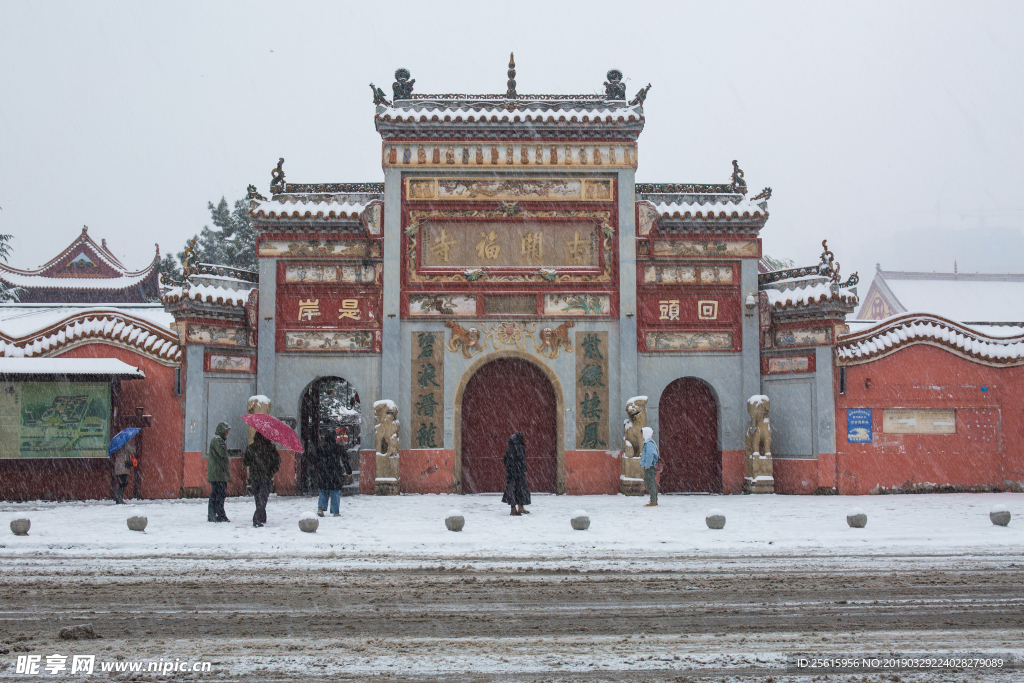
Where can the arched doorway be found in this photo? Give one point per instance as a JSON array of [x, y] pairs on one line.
[[328, 403], [504, 396], [688, 438]]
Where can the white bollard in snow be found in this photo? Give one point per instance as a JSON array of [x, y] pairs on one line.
[[715, 519], [309, 523], [454, 520], [999, 515], [580, 520], [137, 523], [20, 526], [856, 518]]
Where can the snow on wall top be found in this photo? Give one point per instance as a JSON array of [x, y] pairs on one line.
[[495, 110], [709, 206], [90, 283], [27, 332], [68, 366], [893, 334]]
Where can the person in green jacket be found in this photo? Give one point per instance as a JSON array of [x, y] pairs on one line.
[[218, 473]]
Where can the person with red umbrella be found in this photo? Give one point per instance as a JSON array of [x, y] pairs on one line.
[[263, 461]]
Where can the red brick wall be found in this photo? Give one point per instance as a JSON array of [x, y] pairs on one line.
[[160, 460], [591, 472], [986, 449]]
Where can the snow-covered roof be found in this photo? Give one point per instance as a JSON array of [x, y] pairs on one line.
[[104, 367], [892, 334], [31, 331], [337, 206], [969, 298], [222, 296], [17, 279], [496, 109], [808, 293], [709, 207]]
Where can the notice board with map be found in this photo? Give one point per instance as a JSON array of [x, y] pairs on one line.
[[54, 419]]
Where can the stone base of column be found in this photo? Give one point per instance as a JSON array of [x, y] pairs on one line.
[[631, 483], [758, 475], [386, 482]]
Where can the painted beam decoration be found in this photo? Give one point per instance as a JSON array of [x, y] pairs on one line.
[[431, 154], [592, 390], [427, 377], [311, 248]]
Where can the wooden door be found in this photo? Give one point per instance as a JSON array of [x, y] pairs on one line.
[[505, 396], [688, 438]]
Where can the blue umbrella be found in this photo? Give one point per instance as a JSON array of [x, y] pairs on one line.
[[123, 437]]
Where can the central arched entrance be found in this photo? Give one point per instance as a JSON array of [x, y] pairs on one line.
[[504, 396], [688, 438]]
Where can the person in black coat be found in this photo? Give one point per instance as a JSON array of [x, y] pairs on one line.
[[516, 492], [263, 461], [330, 471]]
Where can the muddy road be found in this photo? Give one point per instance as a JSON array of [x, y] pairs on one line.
[[718, 621]]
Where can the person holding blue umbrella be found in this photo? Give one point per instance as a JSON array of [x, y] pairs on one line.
[[122, 459]]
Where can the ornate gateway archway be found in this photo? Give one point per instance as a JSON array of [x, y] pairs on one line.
[[500, 394], [688, 438]]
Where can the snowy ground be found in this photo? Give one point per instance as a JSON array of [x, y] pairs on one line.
[[410, 529], [385, 592]]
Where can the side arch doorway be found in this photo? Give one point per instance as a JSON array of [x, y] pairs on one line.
[[328, 404], [505, 396], [688, 438]]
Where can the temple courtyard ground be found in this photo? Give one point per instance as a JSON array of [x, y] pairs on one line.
[[385, 592]]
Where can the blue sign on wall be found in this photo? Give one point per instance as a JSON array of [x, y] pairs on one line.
[[858, 425]]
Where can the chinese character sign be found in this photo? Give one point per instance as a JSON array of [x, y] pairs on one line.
[[592, 411], [427, 418], [858, 425]]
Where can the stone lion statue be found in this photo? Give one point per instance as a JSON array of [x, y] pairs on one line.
[[385, 414], [636, 420], [759, 434]]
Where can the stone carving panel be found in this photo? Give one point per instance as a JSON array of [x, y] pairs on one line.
[[592, 390]]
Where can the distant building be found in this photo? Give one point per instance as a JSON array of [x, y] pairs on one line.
[[85, 272], [969, 298]]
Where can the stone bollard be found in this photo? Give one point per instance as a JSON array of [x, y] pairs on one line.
[[137, 523], [999, 515], [580, 520], [856, 518], [715, 519], [455, 520], [309, 523], [20, 526]]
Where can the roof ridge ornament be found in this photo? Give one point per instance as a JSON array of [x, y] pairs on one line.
[[510, 94], [378, 96], [614, 88], [640, 96], [277, 177], [738, 183], [402, 87]]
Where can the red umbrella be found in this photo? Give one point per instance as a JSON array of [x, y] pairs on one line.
[[275, 430]]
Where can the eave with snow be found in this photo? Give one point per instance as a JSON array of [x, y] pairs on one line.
[[84, 272]]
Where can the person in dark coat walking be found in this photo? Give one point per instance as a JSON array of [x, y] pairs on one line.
[[516, 492], [218, 473], [330, 470], [263, 461], [122, 461]]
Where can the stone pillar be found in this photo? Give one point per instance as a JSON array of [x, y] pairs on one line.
[[392, 324], [385, 432], [631, 482], [266, 326], [757, 475]]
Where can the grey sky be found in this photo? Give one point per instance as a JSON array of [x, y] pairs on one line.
[[892, 129]]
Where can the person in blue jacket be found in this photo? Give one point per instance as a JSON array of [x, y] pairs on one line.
[[649, 461]]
